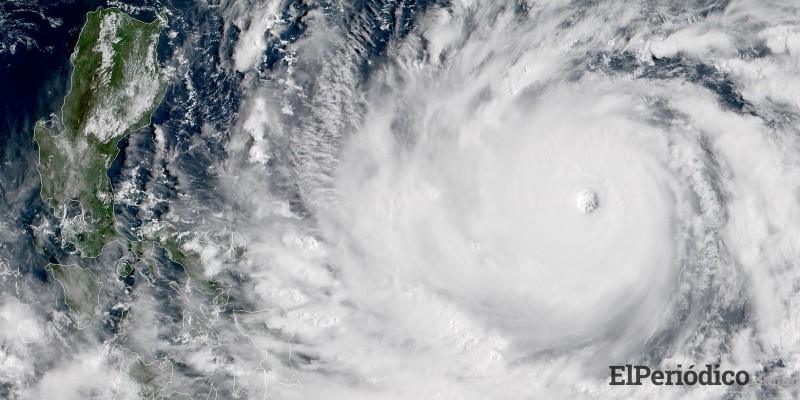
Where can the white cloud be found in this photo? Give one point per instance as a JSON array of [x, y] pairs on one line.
[[451, 253]]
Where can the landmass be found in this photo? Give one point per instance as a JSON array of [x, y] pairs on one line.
[[116, 85], [81, 291]]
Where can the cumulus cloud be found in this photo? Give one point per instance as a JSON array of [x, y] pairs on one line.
[[457, 252], [495, 200]]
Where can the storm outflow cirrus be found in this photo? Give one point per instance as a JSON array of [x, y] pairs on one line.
[[420, 200]]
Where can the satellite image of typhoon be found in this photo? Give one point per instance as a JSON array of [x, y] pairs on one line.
[[399, 199]]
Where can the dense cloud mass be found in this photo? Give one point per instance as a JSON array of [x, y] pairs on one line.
[[437, 200]]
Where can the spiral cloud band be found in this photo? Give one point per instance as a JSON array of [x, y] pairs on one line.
[[527, 193], [484, 214], [523, 199]]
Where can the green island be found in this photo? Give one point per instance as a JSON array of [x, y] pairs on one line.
[[116, 84], [81, 291], [167, 238]]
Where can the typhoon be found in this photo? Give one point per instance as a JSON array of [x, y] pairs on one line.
[[252, 199]]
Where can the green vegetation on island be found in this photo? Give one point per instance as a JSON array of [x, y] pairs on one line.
[[173, 244], [81, 291], [125, 269], [116, 84]]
